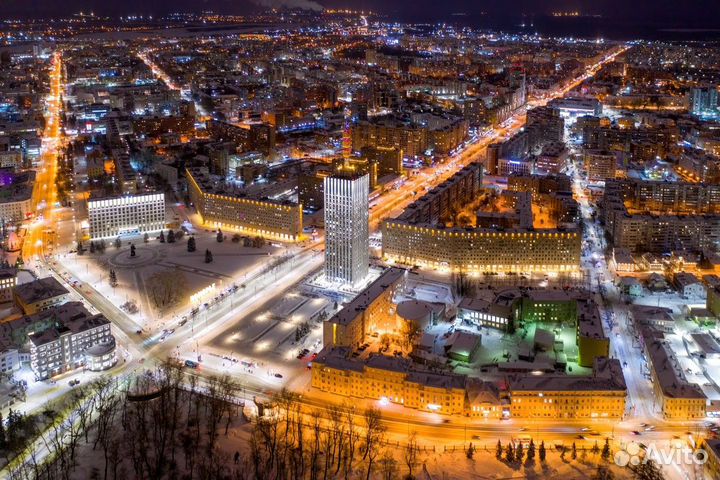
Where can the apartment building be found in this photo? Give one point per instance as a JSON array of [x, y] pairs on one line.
[[662, 216], [481, 250], [16, 197], [63, 346], [600, 165]]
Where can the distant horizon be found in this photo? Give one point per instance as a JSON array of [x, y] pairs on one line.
[[694, 14], [695, 20], [587, 27]]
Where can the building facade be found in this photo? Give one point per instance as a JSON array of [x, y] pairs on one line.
[[38, 295], [126, 215], [389, 379], [419, 236], [280, 220], [371, 310], [599, 165], [347, 255], [481, 250], [601, 395], [661, 217], [71, 332], [8, 282]]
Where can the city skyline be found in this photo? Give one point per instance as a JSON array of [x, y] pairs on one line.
[[327, 243], [642, 13]]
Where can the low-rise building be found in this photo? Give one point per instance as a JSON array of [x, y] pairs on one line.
[[688, 285], [556, 306], [485, 313], [16, 197], [601, 395], [675, 397], [623, 260], [40, 294], [8, 282], [704, 345], [63, 346], [631, 286], [462, 346], [391, 379], [712, 466], [372, 310]]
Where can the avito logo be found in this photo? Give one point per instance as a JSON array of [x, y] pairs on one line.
[[633, 455]]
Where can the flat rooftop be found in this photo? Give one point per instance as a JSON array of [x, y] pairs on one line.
[[40, 289], [368, 296], [667, 370], [607, 376]]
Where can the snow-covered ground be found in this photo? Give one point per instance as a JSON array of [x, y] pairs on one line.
[[232, 264]]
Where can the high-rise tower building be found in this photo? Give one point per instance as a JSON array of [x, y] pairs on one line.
[[704, 100], [346, 227]]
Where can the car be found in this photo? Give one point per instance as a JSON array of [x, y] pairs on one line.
[[635, 432], [649, 428], [191, 364], [278, 375], [139, 331], [585, 429]]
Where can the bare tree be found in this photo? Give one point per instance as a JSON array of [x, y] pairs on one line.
[[167, 288], [411, 453], [374, 433], [388, 466], [352, 439], [316, 427]]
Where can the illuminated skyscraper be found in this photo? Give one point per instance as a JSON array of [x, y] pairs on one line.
[[346, 227], [704, 101]]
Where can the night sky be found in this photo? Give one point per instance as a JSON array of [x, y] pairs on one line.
[[679, 13]]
